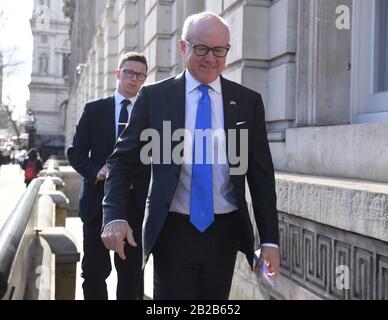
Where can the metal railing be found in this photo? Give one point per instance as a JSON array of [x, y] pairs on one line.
[[16, 239], [30, 238]]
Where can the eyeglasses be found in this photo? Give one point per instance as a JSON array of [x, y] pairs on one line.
[[202, 50], [130, 74]]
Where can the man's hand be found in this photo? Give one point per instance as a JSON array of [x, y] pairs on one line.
[[115, 234], [271, 255], [101, 175]]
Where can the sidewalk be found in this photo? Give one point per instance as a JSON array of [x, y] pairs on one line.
[[12, 188], [74, 225]]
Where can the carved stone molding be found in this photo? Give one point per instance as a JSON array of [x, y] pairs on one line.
[[315, 256]]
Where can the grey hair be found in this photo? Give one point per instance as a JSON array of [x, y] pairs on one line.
[[192, 19]]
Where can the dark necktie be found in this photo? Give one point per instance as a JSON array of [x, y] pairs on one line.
[[123, 119], [201, 194]]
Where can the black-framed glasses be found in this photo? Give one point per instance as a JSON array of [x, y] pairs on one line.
[[130, 74], [202, 50]]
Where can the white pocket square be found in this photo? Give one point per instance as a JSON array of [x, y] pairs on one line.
[[239, 123]]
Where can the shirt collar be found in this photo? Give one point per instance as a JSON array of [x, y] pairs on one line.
[[119, 98], [192, 83]]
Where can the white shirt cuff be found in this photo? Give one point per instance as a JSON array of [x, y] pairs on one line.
[[114, 221], [273, 245]]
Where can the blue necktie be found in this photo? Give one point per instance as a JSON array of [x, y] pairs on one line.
[[201, 195], [123, 119]]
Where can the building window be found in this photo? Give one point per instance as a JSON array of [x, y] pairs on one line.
[[381, 40], [43, 64], [65, 64], [44, 38], [45, 3], [369, 96]]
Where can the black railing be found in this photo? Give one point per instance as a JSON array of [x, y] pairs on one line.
[[13, 238]]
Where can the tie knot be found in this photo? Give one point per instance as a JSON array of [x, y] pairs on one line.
[[204, 88], [125, 102]]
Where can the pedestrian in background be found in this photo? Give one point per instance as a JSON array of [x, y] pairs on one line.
[[32, 165]]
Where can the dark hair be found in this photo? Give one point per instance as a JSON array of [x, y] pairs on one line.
[[32, 154], [133, 56]]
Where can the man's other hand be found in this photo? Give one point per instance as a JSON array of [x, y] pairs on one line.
[[101, 175], [114, 236], [271, 255]]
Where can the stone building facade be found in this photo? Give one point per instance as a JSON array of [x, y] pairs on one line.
[[49, 87], [6, 130], [1, 78], [322, 69], [3, 113]]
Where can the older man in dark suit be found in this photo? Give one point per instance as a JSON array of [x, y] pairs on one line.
[[97, 131], [197, 216]]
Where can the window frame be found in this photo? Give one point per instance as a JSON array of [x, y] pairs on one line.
[[368, 102]]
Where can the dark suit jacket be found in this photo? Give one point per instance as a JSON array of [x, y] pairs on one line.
[[93, 142], [165, 101]]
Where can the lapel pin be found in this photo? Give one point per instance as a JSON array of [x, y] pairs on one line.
[[232, 103]]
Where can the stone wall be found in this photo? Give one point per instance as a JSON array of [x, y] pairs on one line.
[[349, 151], [328, 228]]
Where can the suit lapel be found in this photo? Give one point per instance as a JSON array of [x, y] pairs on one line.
[[230, 106], [176, 102], [111, 121]]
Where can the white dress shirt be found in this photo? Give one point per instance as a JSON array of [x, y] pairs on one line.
[[118, 99]]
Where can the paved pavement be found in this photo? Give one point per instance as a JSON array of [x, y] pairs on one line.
[[12, 188], [74, 225]]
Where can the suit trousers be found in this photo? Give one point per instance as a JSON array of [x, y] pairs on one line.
[[192, 265], [96, 263]]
